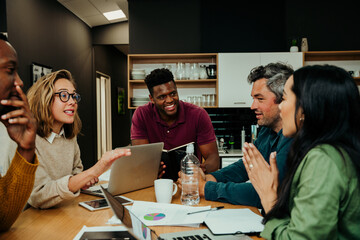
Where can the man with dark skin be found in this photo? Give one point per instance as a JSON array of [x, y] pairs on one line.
[[174, 122], [17, 184]]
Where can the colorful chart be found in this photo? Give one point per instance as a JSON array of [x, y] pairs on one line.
[[144, 230], [154, 216]]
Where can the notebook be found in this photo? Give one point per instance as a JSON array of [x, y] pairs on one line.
[[134, 172], [172, 159], [231, 221], [143, 232]]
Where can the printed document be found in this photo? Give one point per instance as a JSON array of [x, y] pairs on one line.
[[161, 214], [231, 221]]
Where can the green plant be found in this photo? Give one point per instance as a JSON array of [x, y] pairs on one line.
[[293, 42]]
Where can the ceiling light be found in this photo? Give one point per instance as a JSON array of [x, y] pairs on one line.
[[114, 15]]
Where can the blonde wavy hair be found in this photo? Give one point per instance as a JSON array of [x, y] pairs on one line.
[[41, 97]]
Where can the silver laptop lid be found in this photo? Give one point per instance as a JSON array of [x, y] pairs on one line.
[[139, 170]]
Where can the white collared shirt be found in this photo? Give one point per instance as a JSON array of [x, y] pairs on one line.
[[53, 135]]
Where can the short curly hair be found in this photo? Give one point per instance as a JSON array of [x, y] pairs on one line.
[[157, 77], [276, 75]]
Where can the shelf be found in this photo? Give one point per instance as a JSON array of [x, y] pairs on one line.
[[180, 81], [131, 107], [331, 56], [196, 81], [172, 58], [357, 80], [186, 88], [349, 60]]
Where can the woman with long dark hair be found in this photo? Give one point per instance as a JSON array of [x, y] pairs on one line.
[[319, 197]]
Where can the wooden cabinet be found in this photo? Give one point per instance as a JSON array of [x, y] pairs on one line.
[[186, 88], [234, 68], [349, 60]]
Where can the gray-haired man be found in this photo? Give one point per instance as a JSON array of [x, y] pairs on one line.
[[230, 183]]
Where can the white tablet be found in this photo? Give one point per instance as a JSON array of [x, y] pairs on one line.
[[98, 204]]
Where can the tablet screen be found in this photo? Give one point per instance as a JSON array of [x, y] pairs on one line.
[[101, 203]]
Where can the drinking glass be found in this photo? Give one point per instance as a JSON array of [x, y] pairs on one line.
[[212, 100], [187, 71], [199, 100], [206, 100], [170, 68], [180, 71], [191, 99], [194, 71], [196, 101]]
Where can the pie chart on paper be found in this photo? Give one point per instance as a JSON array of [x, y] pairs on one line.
[[154, 216]]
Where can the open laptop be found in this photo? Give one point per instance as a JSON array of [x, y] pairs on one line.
[[134, 172]]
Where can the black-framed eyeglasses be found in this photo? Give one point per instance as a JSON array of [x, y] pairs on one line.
[[65, 96]]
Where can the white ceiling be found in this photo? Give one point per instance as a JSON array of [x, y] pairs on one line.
[[91, 11]]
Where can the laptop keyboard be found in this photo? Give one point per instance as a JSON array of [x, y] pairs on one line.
[[201, 234], [193, 237]]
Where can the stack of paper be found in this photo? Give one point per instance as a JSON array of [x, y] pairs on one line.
[[231, 221], [161, 214]]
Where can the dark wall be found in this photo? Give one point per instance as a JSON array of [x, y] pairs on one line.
[[116, 33], [243, 26], [45, 32], [161, 26], [328, 26], [3, 27], [112, 62]]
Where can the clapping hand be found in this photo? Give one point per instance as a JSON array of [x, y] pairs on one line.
[[263, 176]]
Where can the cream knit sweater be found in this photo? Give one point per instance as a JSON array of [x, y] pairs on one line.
[[58, 161]]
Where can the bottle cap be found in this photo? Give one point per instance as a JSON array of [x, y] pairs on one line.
[[190, 148]]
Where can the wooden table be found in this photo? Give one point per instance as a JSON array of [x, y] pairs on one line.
[[65, 221]]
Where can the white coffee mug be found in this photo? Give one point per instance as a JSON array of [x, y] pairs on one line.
[[164, 190]]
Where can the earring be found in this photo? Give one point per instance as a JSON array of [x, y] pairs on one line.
[[302, 119]]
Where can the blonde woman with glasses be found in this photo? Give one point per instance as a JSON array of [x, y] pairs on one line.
[[54, 102]]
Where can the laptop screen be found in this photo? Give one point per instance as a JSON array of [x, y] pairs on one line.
[[141, 231]]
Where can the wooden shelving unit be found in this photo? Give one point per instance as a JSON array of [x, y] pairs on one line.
[[342, 58], [150, 62], [331, 56]]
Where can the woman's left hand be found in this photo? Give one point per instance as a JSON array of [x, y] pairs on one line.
[[264, 177]]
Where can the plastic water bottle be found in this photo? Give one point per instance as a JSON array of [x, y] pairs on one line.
[[190, 167]]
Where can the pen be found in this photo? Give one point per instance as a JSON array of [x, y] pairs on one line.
[[211, 209]]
